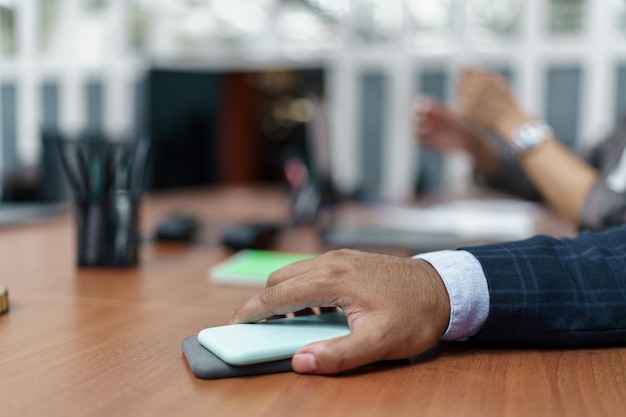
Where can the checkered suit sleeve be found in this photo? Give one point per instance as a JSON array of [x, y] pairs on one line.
[[556, 292]]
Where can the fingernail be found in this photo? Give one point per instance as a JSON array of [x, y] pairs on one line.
[[304, 363]]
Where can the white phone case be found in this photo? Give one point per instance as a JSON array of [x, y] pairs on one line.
[[244, 344]]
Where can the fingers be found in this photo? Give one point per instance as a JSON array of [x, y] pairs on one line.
[[291, 294], [487, 100], [396, 307], [300, 285], [482, 95], [289, 271], [315, 310], [468, 90], [391, 332], [421, 116], [371, 340], [254, 309], [423, 103], [429, 117], [475, 83], [339, 354]]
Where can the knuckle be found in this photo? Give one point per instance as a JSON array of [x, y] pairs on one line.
[[339, 253], [268, 296], [344, 256], [330, 271]]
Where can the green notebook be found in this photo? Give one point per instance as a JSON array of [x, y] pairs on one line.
[[252, 267]]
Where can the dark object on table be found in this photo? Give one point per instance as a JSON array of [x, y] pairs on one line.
[[206, 365], [178, 228], [250, 236], [106, 179]]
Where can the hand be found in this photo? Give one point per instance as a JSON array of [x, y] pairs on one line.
[[487, 100], [437, 128], [397, 307]]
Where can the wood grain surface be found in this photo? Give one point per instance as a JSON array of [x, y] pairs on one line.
[[107, 342]]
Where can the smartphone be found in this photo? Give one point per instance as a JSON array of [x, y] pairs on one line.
[[271, 340], [206, 365]]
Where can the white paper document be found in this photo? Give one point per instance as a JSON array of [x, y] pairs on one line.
[[468, 219]]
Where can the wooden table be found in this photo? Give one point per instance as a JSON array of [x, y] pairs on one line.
[[89, 342]]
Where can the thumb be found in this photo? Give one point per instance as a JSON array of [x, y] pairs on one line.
[[339, 354]]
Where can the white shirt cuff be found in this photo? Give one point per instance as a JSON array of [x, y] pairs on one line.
[[467, 288]]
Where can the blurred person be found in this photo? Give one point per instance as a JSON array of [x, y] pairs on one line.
[[514, 151]]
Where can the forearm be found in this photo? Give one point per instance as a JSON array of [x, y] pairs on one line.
[[556, 292], [563, 180]]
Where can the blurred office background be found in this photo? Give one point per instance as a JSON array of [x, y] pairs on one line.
[[226, 89]]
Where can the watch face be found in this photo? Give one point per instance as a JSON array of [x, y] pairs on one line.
[[529, 136]]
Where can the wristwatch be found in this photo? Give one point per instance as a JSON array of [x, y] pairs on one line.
[[528, 136]]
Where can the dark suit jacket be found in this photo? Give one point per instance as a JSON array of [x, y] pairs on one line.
[[556, 292]]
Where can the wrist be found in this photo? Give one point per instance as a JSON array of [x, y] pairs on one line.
[[508, 125], [439, 300], [484, 156], [529, 136]]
